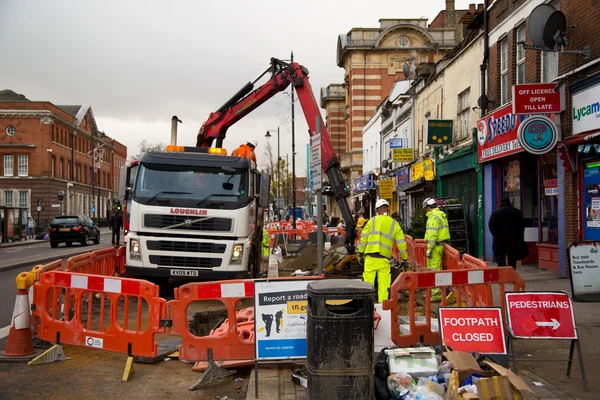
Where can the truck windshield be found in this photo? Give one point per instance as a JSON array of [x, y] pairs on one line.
[[186, 186]]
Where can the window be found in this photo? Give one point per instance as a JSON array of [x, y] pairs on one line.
[[463, 115], [11, 130], [520, 55], [23, 199], [61, 165], [504, 71], [53, 166], [69, 176], [549, 66], [8, 165], [23, 167], [8, 198]]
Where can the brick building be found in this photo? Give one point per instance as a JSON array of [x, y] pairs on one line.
[[46, 153], [540, 185], [373, 59]]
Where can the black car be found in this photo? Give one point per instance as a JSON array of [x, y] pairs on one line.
[[73, 228]]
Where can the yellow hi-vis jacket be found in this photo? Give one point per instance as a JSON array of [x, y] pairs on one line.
[[265, 243], [378, 236], [437, 231]]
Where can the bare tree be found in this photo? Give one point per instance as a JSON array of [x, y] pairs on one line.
[[146, 145]]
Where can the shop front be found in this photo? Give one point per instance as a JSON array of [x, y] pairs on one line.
[[363, 192], [457, 179], [527, 175], [402, 180], [422, 184]]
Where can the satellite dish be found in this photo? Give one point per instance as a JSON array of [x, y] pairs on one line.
[[544, 24], [483, 102], [406, 70], [384, 164]]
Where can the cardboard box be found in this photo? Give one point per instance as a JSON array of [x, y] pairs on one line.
[[418, 361], [464, 363], [494, 388]]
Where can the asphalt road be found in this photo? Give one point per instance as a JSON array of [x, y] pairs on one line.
[[24, 257]]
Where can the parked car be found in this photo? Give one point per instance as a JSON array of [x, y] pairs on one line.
[[73, 228]]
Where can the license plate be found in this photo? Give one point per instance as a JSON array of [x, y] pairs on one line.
[[65, 229], [184, 272]]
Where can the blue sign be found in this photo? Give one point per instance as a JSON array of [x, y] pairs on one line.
[[396, 143], [93, 209], [362, 184], [537, 135], [403, 176]]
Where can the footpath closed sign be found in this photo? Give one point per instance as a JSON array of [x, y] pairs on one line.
[[280, 319], [541, 315], [473, 330]]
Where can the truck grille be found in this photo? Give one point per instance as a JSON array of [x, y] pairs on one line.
[[191, 247], [194, 262], [162, 221]]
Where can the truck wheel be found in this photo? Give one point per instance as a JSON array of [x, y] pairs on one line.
[[254, 264]]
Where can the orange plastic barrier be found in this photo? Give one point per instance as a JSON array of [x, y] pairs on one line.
[[105, 262], [410, 247], [56, 265], [420, 249], [109, 331], [458, 281], [82, 263], [451, 259], [120, 261]]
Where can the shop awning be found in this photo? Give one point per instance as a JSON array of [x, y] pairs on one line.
[[593, 136], [411, 186]]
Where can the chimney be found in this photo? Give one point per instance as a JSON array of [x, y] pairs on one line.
[[479, 8], [472, 8], [450, 15]]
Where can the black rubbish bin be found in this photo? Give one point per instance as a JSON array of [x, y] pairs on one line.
[[340, 339]]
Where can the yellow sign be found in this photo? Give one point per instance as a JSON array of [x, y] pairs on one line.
[[386, 188], [297, 307], [422, 169], [403, 155]]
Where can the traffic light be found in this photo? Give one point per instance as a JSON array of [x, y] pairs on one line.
[[565, 158]]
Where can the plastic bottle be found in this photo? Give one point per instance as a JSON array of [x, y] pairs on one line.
[[422, 396]]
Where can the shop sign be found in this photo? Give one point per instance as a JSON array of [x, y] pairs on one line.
[[551, 187], [403, 155], [396, 143], [586, 110], [422, 169], [439, 132], [473, 330], [362, 184], [541, 315], [584, 265], [536, 98], [537, 135], [403, 176], [386, 187]]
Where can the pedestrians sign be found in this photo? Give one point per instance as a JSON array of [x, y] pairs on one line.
[[315, 162], [280, 319], [473, 330], [541, 315]]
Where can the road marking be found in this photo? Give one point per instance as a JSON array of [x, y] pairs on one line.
[[4, 332]]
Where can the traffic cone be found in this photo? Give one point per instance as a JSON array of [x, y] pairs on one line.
[[19, 341]]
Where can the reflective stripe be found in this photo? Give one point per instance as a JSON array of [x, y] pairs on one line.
[[403, 251], [385, 246], [401, 241], [433, 229], [432, 241]]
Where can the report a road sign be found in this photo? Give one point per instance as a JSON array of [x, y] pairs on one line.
[[541, 315], [473, 330]]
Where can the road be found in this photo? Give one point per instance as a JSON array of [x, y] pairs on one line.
[[24, 257]]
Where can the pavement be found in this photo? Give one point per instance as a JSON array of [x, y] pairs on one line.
[[275, 379], [28, 253]]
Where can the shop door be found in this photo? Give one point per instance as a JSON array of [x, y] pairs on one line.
[[591, 202], [463, 186]]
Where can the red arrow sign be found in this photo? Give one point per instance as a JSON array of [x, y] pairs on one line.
[[541, 315]]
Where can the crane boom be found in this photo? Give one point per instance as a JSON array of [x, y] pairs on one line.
[[248, 99]]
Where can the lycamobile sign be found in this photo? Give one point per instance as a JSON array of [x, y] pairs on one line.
[[586, 110]]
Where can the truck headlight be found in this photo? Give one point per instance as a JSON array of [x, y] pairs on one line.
[[134, 250], [238, 251]]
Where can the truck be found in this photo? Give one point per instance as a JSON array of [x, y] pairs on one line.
[[196, 212]]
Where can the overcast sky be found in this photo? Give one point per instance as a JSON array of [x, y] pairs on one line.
[[137, 63]]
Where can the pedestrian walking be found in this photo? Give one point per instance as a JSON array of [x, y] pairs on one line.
[[437, 234], [507, 226], [375, 249], [31, 224], [116, 223]]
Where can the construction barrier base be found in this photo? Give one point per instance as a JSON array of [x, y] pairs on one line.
[[54, 353], [165, 349], [212, 372], [128, 371]]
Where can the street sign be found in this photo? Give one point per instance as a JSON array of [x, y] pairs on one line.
[[473, 330], [315, 162], [403, 155], [536, 98], [396, 143], [385, 188], [55, 205], [93, 209], [39, 208], [540, 315], [280, 325], [584, 266]]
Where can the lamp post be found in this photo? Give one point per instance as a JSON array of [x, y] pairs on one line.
[[268, 135], [293, 157]]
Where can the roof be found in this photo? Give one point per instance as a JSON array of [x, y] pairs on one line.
[[71, 110], [9, 95]]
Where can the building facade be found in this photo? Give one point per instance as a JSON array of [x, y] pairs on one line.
[[46, 152]]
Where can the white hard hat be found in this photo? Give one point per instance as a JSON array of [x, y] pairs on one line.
[[381, 203], [429, 202], [253, 142]]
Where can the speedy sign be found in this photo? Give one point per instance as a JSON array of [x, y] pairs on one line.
[[473, 330], [536, 98], [541, 315]]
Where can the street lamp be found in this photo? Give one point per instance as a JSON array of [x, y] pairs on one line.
[[268, 135]]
